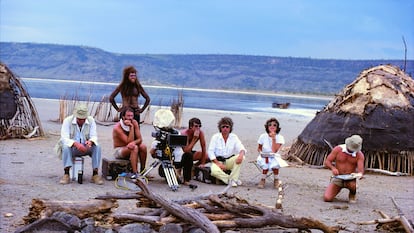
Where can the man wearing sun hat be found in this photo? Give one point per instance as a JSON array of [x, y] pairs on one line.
[[349, 166], [79, 138]]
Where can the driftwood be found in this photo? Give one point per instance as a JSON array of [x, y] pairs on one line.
[[385, 172], [82, 209], [394, 224], [404, 221], [218, 211], [221, 210], [185, 213], [258, 216], [209, 212]]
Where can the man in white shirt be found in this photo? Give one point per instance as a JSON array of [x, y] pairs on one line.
[[226, 153], [79, 138]]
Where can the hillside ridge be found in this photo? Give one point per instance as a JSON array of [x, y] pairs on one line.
[[209, 71]]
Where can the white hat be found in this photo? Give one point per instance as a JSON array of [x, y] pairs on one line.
[[164, 118], [354, 143], [81, 111]]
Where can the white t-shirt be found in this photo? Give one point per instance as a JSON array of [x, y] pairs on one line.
[[266, 142]]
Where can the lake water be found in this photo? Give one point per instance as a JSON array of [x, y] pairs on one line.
[[193, 98]]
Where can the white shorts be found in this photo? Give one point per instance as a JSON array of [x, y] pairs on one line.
[[271, 163], [118, 153]]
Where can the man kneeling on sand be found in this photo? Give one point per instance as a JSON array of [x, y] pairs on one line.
[[349, 166]]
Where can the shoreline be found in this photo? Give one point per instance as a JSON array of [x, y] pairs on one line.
[[304, 113], [262, 92]]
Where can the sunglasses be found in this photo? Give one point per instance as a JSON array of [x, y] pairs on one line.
[[132, 74], [197, 126], [274, 124], [225, 126]]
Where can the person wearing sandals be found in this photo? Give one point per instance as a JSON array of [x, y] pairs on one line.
[[270, 143]]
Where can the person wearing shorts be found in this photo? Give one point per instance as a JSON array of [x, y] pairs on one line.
[[348, 159]]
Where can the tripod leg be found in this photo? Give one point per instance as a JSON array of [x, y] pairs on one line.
[[153, 165], [173, 176], [170, 175]]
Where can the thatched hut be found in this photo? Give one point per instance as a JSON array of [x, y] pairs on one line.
[[18, 115], [379, 106]]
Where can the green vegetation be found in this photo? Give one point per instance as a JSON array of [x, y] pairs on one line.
[[236, 72]]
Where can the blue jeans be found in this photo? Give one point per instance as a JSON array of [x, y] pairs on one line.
[[69, 154]]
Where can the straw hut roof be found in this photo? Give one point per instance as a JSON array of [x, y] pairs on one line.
[[18, 115], [378, 105]]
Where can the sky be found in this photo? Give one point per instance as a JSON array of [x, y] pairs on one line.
[[323, 29]]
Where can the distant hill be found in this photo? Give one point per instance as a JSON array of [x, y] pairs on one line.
[[238, 72]]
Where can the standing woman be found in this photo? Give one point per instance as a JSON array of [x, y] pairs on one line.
[[270, 142], [130, 89]]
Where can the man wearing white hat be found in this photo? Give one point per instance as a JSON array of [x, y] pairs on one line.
[[79, 138], [349, 166]]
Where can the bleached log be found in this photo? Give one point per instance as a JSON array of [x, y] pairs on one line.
[[385, 172], [383, 215], [404, 221], [381, 220], [261, 216], [190, 215]]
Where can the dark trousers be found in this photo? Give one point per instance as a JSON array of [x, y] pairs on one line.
[[137, 117], [186, 164]]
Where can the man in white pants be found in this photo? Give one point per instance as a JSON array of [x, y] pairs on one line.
[[226, 153]]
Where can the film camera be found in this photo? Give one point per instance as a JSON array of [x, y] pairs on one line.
[[168, 139]]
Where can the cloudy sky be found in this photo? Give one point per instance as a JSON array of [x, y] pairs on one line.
[[339, 29]]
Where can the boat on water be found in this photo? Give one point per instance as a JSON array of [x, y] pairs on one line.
[[280, 105]]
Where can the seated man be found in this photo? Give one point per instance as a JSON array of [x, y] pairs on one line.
[[194, 134], [226, 152], [79, 138], [127, 141], [348, 159]]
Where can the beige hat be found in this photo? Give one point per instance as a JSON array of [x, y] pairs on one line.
[[354, 143], [81, 111], [164, 118]]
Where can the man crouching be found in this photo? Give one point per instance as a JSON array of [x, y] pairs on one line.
[[349, 166]]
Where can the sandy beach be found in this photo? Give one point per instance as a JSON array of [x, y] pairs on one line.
[[30, 169]]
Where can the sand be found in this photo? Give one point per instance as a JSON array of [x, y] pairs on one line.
[[30, 169]]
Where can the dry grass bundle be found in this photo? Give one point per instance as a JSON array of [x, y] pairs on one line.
[[177, 109]]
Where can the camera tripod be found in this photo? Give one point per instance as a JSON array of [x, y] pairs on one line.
[[165, 170]]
